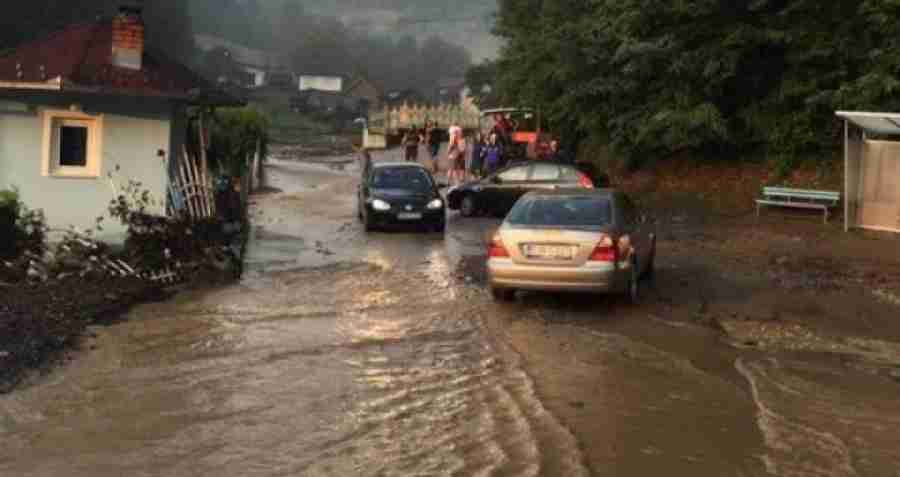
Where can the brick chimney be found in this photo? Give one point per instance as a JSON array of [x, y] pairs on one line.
[[128, 37]]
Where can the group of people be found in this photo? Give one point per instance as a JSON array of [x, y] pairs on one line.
[[429, 136], [486, 153]]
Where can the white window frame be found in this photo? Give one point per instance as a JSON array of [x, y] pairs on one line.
[[52, 121]]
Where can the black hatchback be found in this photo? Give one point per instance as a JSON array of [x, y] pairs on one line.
[[498, 192], [404, 193]]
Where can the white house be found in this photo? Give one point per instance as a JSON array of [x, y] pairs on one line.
[[85, 102], [332, 84]]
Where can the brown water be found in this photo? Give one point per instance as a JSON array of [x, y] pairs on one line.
[[342, 354]]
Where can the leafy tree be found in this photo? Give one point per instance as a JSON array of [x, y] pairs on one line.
[[714, 77]]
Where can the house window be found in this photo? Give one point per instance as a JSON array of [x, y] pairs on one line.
[[72, 144]]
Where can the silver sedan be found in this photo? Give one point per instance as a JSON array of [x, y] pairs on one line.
[[571, 240]]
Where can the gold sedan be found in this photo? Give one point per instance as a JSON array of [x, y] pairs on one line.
[[575, 240]]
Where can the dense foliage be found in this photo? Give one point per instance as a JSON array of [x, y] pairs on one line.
[[236, 135], [719, 77], [21, 229]]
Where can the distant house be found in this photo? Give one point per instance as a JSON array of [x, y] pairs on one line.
[[258, 67], [85, 102], [332, 84], [365, 90]]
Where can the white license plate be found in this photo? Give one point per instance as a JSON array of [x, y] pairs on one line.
[[550, 252], [409, 216]]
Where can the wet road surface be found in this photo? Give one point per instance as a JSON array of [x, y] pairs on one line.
[[342, 353]]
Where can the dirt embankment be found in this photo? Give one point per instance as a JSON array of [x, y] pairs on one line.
[[39, 322]]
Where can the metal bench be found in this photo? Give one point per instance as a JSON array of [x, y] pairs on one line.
[[798, 198]]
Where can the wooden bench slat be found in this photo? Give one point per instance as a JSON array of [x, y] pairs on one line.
[[801, 205], [814, 194], [788, 189]]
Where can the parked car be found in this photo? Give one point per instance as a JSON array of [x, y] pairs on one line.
[[400, 193], [572, 240], [496, 193]]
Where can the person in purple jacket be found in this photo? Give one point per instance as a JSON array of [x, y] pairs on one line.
[[476, 163], [493, 154]]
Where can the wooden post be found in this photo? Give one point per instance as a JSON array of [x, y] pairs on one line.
[[205, 180], [257, 165]]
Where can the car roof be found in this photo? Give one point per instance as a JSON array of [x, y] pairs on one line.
[[382, 165], [574, 192]]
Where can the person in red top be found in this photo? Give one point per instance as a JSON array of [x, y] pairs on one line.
[[502, 127]]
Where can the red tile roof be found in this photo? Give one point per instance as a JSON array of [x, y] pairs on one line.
[[81, 55]]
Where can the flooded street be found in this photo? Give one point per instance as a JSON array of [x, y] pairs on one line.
[[343, 354]]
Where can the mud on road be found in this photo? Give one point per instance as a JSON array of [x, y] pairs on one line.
[[346, 353]]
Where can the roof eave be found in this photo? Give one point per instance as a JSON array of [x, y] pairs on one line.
[[196, 97], [55, 84]]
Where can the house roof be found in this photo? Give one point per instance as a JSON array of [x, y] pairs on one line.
[[79, 59], [362, 80]]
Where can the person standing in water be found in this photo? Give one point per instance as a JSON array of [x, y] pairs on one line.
[[493, 154], [456, 156], [476, 163], [411, 142], [433, 141]]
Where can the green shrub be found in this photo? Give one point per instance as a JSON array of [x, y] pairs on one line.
[[21, 229], [236, 132]]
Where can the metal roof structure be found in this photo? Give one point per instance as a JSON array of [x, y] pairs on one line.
[[880, 123]]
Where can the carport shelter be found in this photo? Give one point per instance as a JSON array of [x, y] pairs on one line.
[[871, 170]]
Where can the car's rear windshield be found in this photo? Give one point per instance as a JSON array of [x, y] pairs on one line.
[[562, 211], [409, 178]]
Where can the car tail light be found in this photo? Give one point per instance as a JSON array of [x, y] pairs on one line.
[[585, 181], [605, 251], [496, 249]]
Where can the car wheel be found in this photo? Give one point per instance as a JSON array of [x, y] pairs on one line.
[[440, 228], [468, 208], [503, 294]]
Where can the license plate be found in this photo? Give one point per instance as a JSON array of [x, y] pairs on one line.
[[409, 216], [550, 252]]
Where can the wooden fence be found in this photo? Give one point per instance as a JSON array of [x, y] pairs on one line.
[[391, 120], [191, 189]]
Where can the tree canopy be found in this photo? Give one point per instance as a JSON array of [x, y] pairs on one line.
[[657, 77]]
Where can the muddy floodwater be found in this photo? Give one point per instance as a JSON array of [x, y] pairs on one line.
[[342, 354]]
